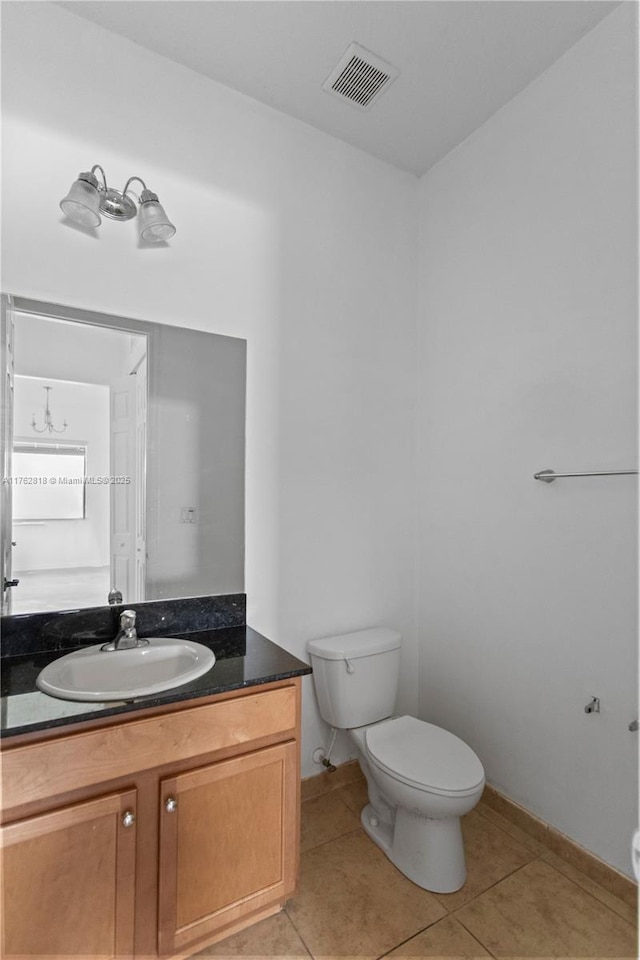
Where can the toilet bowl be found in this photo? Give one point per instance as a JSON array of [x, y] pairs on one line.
[[421, 779]]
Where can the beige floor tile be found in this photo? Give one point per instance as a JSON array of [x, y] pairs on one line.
[[516, 814], [352, 902], [273, 937], [591, 866], [325, 782], [491, 855], [623, 909], [447, 938], [514, 831], [325, 818], [538, 912], [619, 885], [355, 796], [342, 956]]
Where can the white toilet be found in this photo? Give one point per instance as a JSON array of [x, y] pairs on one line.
[[421, 779]]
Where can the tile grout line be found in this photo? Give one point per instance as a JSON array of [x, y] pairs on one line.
[[302, 940], [428, 927], [448, 912], [536, 855], [533, 839], [323, 843], [481, 893], [510, 835], [517, 870], [547, 849], [540, 857], [548, 829], [470, 932], [587, 892], [407, 939]]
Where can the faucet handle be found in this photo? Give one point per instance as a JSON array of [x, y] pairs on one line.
[[128, 619]]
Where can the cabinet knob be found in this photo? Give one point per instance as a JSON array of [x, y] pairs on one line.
[[128, 819], [170, 804]]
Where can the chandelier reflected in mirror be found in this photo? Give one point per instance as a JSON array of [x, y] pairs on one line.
[[49, 426]]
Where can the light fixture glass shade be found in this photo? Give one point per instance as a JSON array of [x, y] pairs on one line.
[[154, 224], [81, 204]]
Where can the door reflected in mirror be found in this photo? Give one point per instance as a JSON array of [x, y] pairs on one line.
[[123, 447]]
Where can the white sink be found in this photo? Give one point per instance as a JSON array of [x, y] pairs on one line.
[[95, 674]]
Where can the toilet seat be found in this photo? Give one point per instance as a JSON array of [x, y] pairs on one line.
[[424, 756]]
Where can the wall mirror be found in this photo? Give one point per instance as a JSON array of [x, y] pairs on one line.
[[122, 445]]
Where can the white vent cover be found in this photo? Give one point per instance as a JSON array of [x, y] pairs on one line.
[[360, 77]]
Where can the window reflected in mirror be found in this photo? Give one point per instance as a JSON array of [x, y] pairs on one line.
[[49, 481]]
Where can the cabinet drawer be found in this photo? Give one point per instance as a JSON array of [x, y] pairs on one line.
[[35, 772]]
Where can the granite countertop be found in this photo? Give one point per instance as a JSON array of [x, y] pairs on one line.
[[244, 658]]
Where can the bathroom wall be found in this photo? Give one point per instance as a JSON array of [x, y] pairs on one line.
[[295, 241], [69, 351], [528, 361]]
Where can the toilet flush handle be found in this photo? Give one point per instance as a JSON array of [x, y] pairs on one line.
[[350, 666]]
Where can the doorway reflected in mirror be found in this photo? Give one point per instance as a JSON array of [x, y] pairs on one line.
[[77, 492]]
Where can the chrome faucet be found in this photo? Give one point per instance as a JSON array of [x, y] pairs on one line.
[[126, 637]]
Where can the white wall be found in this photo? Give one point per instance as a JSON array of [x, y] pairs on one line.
[[295, 241], [70, 351], [58, 544], [528, 361]]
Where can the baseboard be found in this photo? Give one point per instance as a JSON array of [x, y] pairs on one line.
[[568, 850]]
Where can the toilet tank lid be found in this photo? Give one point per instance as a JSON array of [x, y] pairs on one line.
[[361, 643]]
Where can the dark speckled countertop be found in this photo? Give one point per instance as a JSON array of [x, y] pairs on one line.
[[244, 658]]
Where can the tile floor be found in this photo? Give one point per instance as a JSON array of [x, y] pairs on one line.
[[520, 900]]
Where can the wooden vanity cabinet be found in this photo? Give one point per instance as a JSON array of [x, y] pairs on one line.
[[153, 836]]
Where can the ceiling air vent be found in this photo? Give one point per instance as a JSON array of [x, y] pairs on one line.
[[360, 77]]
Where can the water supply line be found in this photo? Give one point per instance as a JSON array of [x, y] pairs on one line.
[[326, 760]]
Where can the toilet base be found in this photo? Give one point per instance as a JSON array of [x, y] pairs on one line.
[[428, 852]]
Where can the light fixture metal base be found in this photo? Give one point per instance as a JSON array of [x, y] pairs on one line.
[[547, 476], [116, 205]]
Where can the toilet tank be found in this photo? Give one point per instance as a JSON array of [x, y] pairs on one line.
[[356, 676]]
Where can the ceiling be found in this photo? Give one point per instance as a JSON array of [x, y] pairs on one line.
[[459, 60]]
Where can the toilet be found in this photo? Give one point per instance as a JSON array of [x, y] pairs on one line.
[[421, 779]]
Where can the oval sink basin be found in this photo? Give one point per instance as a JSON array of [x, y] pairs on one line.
[[95, 674]]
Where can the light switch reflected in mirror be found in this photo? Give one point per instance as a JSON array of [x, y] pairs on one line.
[[142, 492]]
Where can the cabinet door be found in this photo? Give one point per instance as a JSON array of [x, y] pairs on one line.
[[68, 881], [228, 843]]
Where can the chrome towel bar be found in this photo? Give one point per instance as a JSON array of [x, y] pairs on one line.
[[548, 476]]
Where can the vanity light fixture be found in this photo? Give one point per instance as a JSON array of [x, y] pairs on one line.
[[48, 419], [88, 198]]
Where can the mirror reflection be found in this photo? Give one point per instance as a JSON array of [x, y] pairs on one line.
[[123, 451]]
